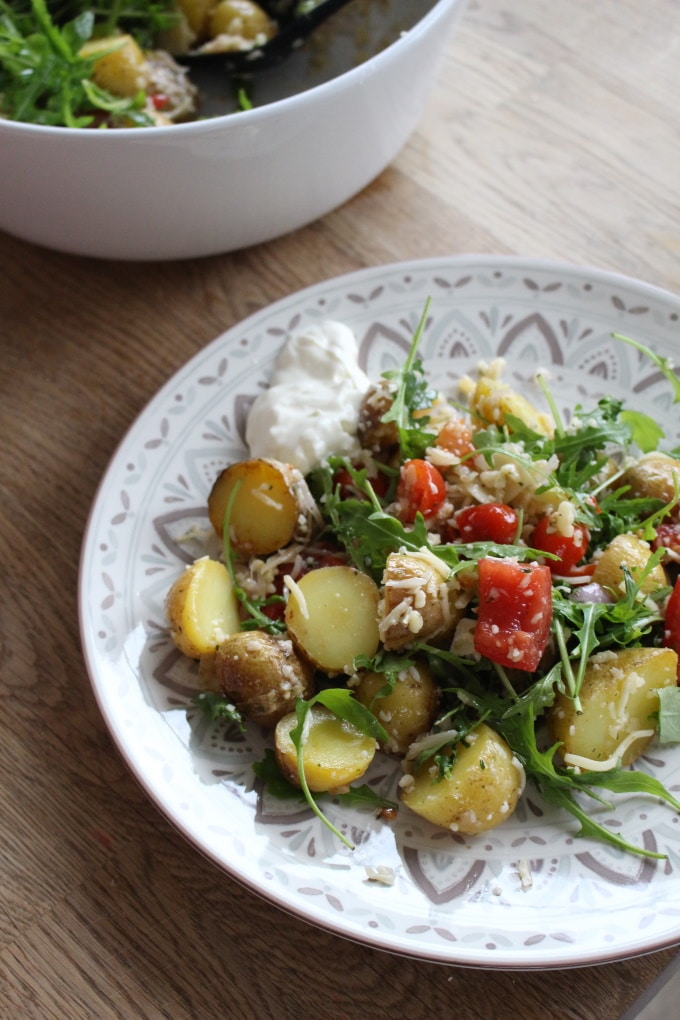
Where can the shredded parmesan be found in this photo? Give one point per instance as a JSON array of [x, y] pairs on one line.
[[381, 874], [591, 765], [294, 588]]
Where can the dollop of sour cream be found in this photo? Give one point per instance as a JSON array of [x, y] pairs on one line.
[[311, 408]]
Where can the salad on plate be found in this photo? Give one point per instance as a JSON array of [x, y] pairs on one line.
[[474, 587]]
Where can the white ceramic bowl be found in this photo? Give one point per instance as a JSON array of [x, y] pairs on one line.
[[318, 135]]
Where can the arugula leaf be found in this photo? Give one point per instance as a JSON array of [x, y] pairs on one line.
[[645, 432], [273, 779], [413, 394], [217, 708], [665, 365]]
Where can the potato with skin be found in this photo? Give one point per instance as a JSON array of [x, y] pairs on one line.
[[262, 675], [272, 506], [378, 437], [619, 697], [420, 600], [202, 608], [634, 553], [407, 711], [332, 616], [480, 792], [335, 753], [654, 476]]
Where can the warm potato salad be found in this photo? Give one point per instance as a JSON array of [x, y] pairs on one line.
[[75, 63], [486, 593]]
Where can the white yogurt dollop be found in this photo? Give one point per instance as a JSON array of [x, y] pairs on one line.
[[311, 408]]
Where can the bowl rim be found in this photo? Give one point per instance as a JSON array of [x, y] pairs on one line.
[[253, 116]]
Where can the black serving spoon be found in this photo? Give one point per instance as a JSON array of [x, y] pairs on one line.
[[296, 20]]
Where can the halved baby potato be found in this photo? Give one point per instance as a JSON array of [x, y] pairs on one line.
[[619, 697], [480, 792], [654, 476], [334, 752], [632, 552], [332, 616], [271, 507], [202, 608], [407, 711]]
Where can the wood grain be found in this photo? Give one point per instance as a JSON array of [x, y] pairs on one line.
[[552, 131]]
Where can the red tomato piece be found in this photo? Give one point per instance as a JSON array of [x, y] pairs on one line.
[[488, 522], [456, 437], [671, 629], [515, 612], [421, 489], [668, 537], [570, 548]]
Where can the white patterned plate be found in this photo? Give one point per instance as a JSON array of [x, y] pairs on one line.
[[526, 895]]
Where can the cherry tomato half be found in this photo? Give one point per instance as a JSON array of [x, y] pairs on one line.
[[421, 489], [569, 548], [488, 522]]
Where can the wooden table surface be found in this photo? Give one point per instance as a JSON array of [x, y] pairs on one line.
[[552, 132]]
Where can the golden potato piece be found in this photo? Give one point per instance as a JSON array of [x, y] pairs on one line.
[[619, 697], [271, 507], [262, 675], [480, 792], [654, 476], [201, 608], [124, 71], [407, 711], [630, 551], [242, 19], [335, 754], [418, 600], [332, 616]]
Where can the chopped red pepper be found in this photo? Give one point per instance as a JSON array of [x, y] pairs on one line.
[[160, 101], [515, 612]]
